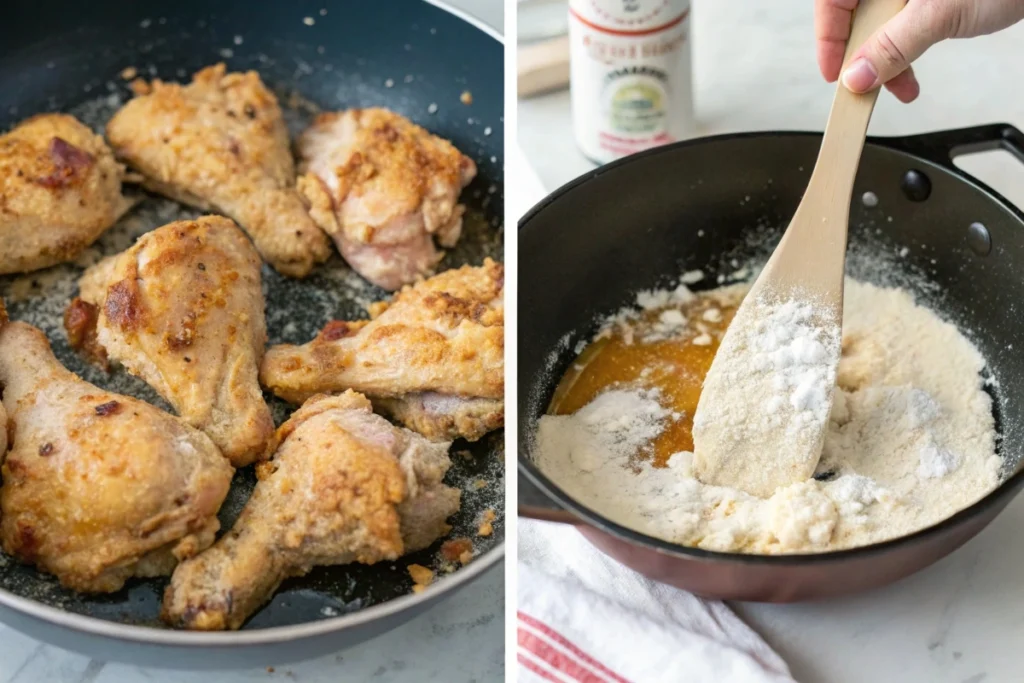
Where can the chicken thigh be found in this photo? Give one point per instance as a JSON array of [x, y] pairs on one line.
[[60, 188], [183, 309], [432, 358], [221, 144], [344, 486], [98, 487], [384, 189]]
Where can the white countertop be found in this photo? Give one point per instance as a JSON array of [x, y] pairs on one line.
[[458, 641], [461, 640], [959, 621]]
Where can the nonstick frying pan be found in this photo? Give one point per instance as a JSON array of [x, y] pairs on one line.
[[411, 56], [711, 203]]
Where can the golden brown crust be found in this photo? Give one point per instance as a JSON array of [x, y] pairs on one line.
[[445, 334], [432, 357], [220, 143], [183, 309], [60, 188], [444, 418], [80, 320], [384, 189], [343, 486], [394, 163], [98, 487]]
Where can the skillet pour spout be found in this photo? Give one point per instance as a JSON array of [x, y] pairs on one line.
[[688, 218]]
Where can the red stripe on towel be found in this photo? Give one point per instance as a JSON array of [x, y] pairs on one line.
[[525, 662], [559, 660], [568, 645]]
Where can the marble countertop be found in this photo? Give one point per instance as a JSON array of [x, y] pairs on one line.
[[459, 640], [956, 622]]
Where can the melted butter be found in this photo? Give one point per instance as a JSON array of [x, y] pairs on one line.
[[674, 366]]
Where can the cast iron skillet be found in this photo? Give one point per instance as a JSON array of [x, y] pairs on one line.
[[585, 250], [403, 54]]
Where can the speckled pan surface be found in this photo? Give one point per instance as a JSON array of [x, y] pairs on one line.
[[408, 55]]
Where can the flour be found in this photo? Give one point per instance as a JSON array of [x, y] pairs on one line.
[[614, 428], [712, 315], [692, 277], [670, 323], [659, 298], [766, 400], [936, 462], [702, 339], [910, 441]]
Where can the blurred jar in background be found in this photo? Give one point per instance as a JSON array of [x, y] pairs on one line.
[[630, 75]]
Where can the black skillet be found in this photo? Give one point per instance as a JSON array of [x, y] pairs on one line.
[[408, 55], [715, 202]]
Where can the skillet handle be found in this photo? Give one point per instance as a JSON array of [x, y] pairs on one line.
[[535, 503], [943, 146]]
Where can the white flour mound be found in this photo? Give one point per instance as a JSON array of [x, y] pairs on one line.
[[910, 441], [780, 358], [608, 431]]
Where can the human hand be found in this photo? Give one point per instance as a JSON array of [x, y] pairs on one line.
[[886, 57]]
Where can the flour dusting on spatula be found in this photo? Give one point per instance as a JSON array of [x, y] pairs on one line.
[[781, 358]]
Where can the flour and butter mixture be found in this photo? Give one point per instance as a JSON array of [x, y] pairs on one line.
[[911, 436]]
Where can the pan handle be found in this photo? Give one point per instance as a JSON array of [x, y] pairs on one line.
[[943, 146], [535, 503]]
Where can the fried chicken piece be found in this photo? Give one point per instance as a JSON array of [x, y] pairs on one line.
[[60, 189], [98, 487], [220, 144], [432, 358], [343, 486], [384, 189], [444, 417], [183, 310]]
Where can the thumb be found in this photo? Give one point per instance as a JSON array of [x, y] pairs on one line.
[[892, 48]]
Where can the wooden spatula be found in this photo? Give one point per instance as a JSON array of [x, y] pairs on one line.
[[807, 266], [812, 253]]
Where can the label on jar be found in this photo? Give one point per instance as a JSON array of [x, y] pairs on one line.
[[630, 71]]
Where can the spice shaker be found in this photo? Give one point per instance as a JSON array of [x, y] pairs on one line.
[[630, 74]]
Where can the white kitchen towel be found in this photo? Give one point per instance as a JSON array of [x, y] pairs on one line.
[[584, 618]]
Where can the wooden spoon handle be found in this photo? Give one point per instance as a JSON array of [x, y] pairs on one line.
[[812, 254], [868, 17], [848, 121]]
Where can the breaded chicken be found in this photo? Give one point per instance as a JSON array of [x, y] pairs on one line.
[[60, 189], [433, 358], [385, 190], [98, 487], [344, 486], [220, 144], [183, 309]]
